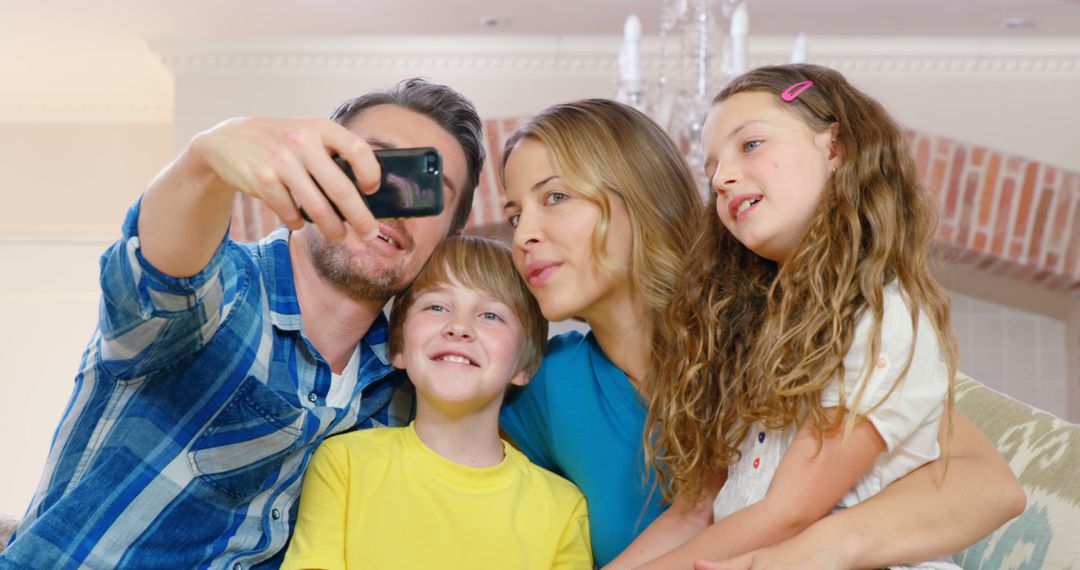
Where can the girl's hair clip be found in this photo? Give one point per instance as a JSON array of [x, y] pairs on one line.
[[791, 93]]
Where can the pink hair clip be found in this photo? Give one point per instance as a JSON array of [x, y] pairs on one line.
[[791, 93]]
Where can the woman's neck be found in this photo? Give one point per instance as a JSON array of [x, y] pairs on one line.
[[623, 326]]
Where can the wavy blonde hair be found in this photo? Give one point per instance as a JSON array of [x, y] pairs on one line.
[[747, 341], [602, 148]]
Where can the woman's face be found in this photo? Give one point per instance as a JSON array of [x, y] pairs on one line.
[[553, 236], [768, 169]]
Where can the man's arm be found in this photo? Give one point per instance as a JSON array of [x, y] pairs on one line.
[[185, 212], [919, 517]]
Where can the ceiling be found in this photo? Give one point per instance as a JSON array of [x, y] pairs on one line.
[[261, 19]]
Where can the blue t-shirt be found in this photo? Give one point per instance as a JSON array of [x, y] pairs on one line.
[[582, 418]]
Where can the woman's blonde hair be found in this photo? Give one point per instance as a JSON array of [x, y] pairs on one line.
[[747, 341], [602, 148]]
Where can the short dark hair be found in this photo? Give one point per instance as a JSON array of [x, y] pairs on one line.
[[449, 109]]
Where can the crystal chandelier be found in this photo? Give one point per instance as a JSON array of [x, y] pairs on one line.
[[702, 47]]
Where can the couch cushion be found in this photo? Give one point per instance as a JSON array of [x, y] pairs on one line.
[[1044, 453]]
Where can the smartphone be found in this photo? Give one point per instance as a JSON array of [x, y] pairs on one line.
[[411, 185]]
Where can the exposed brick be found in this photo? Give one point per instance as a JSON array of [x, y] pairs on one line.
[[922, 161], [1042, 210], [1016, 250], [1049, 175], [1052, 260], [970, 190], [937, 184], [980, 241], [945, 232], [978, 154], [990, 191], [1004, 212], [1072, 253], [1026, 204]]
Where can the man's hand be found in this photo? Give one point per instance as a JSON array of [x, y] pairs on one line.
[[279, 162]]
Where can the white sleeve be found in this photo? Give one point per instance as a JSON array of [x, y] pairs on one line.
[[918, 397]]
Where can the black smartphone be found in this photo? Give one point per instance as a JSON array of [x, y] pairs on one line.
[[411, 184]]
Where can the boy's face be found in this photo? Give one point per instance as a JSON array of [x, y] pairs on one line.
[[461, 348]]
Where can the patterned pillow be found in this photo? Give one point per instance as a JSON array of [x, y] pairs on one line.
[[1044, 452]]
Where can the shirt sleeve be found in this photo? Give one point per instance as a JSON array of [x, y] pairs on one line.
[[919, 394], [149, 320], [526, 420], [318, 541], [575, 551]]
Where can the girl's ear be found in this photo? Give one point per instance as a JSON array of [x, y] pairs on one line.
[[398, 361], [834, 146]]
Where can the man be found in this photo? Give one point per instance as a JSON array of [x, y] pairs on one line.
[[217, 368]]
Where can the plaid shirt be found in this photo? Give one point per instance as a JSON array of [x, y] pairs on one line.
[[196, 410]]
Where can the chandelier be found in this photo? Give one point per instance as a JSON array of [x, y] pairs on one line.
[[702, 47]]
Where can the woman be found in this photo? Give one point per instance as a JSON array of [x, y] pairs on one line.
[[604, 208]]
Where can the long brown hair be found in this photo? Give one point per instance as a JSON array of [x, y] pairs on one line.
[[747, 341]]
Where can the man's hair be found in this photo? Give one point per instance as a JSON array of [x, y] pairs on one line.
[[449, 109], [486, 265]]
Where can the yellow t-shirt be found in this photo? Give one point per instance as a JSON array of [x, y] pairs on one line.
[[380, 498]]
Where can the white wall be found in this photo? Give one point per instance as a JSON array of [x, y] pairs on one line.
[[73, 158]]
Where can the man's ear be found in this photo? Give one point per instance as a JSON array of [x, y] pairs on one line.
[[520, 378], [398, 361]]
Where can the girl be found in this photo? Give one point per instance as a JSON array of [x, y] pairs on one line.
[[604, 210], [810, 352]]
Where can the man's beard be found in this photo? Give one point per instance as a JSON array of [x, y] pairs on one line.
[[358, 279]]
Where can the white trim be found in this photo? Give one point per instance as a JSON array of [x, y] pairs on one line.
[[597, 54]]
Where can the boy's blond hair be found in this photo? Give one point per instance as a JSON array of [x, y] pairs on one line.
[[483, 264]]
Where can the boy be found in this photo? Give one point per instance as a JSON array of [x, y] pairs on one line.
[[446, 491]]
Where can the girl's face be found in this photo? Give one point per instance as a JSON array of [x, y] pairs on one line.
[[768, 169], [553, 228]]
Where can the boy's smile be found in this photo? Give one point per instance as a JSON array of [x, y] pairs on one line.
[[461, 348]]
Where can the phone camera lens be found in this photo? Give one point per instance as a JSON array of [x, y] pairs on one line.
[[431, 163]]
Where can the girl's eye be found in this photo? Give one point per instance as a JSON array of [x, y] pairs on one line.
[[514, 220], [555, 198], [490, 316], [751, 145], [435, 307]]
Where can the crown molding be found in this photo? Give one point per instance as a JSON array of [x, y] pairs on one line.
[[905, 56]]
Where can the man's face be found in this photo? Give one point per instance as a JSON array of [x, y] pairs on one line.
[[383, 267]]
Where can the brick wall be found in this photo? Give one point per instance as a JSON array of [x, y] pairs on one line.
[[1001, 213]]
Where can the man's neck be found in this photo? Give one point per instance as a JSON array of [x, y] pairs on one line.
[[333, 321]]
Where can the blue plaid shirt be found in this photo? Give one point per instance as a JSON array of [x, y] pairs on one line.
[[198, 404]]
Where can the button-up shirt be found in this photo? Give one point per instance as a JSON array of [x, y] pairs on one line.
[[196, 409]]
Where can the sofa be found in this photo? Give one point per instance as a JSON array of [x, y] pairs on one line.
[[1044, 453], [1042, 450]]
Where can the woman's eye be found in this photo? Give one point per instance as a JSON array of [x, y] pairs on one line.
[[514, 220], [751, 145], [555, 198]]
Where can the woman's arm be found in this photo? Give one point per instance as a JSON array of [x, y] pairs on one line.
[[683, 520], [919, 517], [810, 480]]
